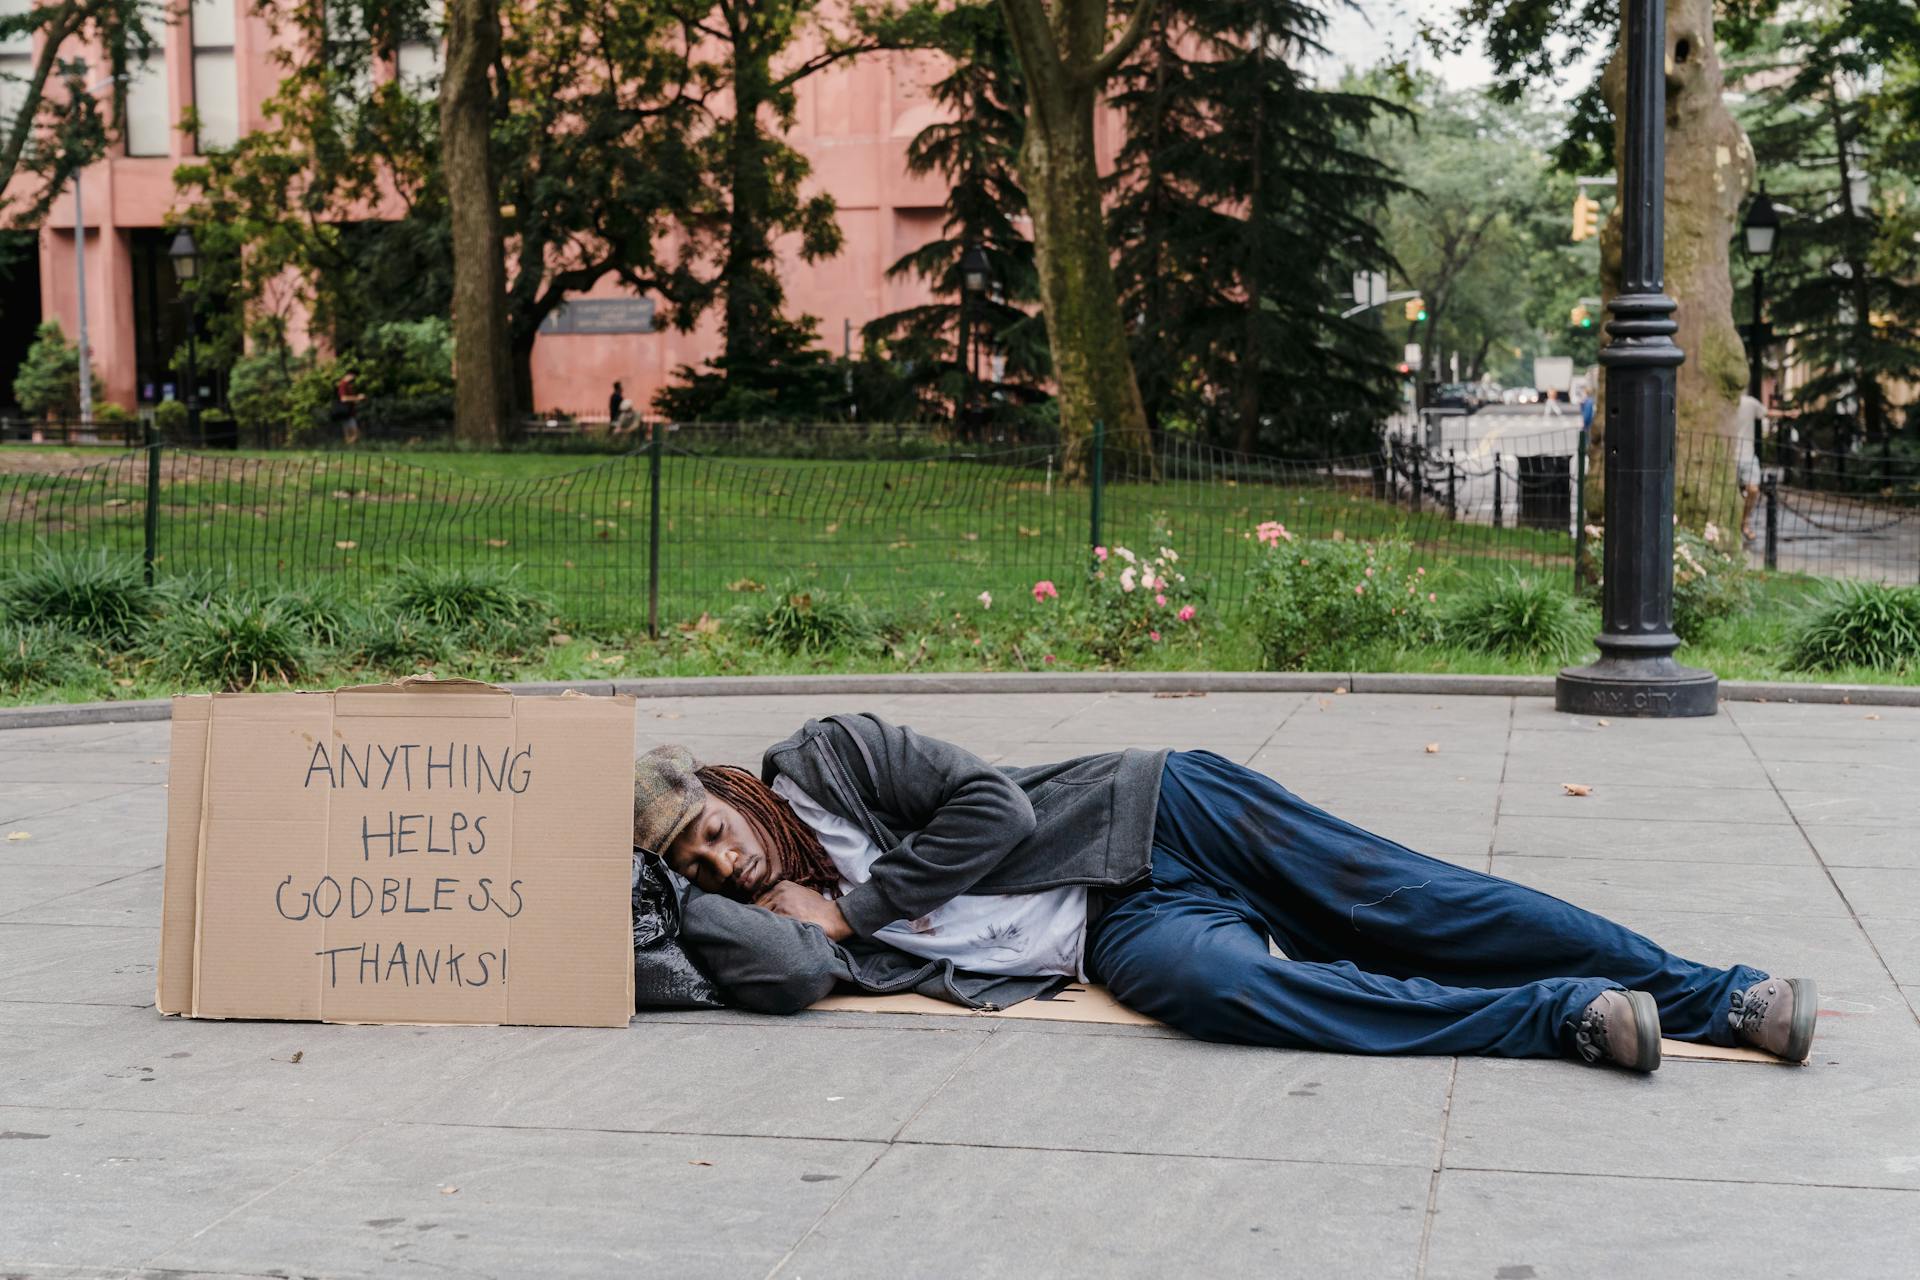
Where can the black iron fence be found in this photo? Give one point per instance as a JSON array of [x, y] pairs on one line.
[[668, 531]]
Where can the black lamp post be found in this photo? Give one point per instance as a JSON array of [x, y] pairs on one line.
[[1636, 674], [185, 256], [975, 274], [1761, 225]]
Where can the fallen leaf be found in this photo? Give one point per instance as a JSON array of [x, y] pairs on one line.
[[559, 638], [341, 493], [346, 544], [116, 502], [746, 584], [297, 1055], [19, 835], [1026, 532], [1577, 788], [971, 537], [707, 1163], [834, 527], [1433, 748], [123, 682], [447, 1191], [1872, 716], [1603, 724], [1340, 688], [496, 542]]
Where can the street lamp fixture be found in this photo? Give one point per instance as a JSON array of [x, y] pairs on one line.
[[185, 256], [1761, 225], [975, 270], [976, 274], [1636, 674]]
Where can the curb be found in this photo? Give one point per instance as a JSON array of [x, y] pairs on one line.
[[1859, 695]]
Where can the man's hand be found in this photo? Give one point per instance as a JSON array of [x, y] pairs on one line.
[[797, 902]]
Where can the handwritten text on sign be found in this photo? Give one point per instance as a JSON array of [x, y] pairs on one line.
[[447, 820]]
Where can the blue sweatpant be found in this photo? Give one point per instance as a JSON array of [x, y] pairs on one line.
[[1387, 950]]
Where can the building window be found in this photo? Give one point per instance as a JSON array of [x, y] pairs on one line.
[[418, 61], [216, 88], [147, 121], [16, 65]]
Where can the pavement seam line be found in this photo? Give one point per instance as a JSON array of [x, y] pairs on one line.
[[1433, 1183], [877, 1156], [112, 795], [256, 1199], [1827, 871]]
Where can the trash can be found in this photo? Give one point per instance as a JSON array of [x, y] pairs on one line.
[[1546, 491]]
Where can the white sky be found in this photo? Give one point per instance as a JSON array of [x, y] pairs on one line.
[[1372, 30]]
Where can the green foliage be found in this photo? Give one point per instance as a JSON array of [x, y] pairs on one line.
[[323, 609], [398, 642], [782, 376], [1133, 601], [1520, 616], [474, 605], [975, 153], [48, 382], [1709, 584], [233, 642], [407, 358], [794, 620], [286, 394], [1859, 624], [1313, 604], [96, 594], [171, 421], [1246, 200], [34, 655]]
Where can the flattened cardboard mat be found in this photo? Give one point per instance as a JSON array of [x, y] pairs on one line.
[[423, 852], [1094, 1004]]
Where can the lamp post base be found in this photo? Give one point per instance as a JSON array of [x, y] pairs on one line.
[[1657, 688]]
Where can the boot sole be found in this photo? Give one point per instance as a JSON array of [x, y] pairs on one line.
[[1806, 1011], [1646, 1025]]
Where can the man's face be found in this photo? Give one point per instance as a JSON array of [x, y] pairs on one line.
[[721, 852]]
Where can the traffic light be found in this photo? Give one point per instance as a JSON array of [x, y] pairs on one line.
[[1416, 310], [1586, 217], [1580, 318]]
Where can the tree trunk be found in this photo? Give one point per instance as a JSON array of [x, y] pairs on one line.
[[483, 385], [1709, 171], [1091, 364], [752, 299]]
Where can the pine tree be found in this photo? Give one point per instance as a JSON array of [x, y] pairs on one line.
[[1244, 205], [1836, 143], [977, 152]]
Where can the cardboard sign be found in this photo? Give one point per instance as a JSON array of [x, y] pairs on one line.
[[426, 852]]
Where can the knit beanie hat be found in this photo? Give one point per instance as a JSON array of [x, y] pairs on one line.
[[666, 797]]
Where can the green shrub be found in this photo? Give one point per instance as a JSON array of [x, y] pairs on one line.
[[1134, 601], [101, 596], [1708, 583], [1859, 624], [33, 655], [1516, 615], [799, 621], [398, 642], [47, 384], [1314, 605], [469, 604], [171, 422], [327, 613], [234, 642]]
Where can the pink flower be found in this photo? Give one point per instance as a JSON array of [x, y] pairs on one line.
[[1161, 601], [1272, 533], [1100, 553], [1154, 636], [1048, 658], [986, 599], [1360, 589], [1369, 571], [1126, 579], [1431, 597], [1421, 572], [1186, 613], [1045, 590]]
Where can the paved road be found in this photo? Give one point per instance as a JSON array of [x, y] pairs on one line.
[[726, 1145]]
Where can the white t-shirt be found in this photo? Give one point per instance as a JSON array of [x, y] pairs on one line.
[[1029, 934]]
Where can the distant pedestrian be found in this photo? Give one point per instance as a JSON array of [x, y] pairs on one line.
[[346, 408], [615, 403], [1752, 420]]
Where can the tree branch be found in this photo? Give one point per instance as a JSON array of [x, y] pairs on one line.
[[1122, 49]]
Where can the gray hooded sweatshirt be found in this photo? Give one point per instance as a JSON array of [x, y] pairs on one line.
[[947, 823]]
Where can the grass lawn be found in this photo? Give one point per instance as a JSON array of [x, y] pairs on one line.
[[913, 542]]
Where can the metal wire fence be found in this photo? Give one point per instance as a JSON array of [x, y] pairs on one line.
[[668, 532]]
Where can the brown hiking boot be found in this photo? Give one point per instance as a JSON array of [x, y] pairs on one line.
[[1778, 1016], [1621, 1027]]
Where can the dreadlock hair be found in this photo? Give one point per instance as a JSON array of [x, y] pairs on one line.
[[802, 859]]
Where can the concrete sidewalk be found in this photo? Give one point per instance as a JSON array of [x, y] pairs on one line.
[[873, 1145]]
